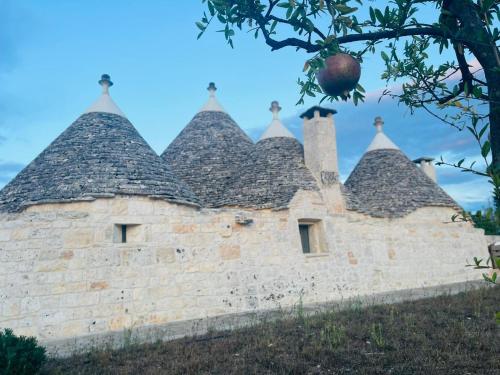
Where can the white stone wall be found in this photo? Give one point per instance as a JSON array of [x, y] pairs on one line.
[[63, 275]]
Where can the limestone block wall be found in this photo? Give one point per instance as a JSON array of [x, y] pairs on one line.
[[65, 273]]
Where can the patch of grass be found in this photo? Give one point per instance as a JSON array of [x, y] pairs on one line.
[[332, 335], [441, 335], [377, 335]]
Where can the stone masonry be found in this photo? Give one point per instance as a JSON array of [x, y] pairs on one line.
[[63, 275]]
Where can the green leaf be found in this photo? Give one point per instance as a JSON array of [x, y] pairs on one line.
[[201, 26], [344, 9], [485, 149], [284, 4], [360, 88], [384, 56], [273, 26], [497, 317], [380, 16], [481, 132], [477, 91], [460, 162], [211, 8], [372, 15], [466, 89]]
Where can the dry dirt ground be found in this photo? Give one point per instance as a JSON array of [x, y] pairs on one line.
[[442, 335]]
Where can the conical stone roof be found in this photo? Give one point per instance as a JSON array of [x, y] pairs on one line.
[[209, 152], [100, 155], [274, 172], [385, 183]]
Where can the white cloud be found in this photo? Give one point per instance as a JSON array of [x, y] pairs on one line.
[[471, 194]]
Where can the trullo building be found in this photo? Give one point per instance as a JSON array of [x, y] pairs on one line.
[[100, 235]]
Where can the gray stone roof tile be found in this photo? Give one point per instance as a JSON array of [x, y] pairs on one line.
[[385, 183], [224, 167], [273, 173], [100, 154], [207, 154]]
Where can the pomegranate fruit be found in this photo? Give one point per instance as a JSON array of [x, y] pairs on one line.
[[340, 75]]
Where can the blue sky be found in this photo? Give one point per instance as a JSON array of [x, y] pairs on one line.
[[53, 52]]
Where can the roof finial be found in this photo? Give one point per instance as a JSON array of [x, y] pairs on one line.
[[276, 128], [275, 109], [378, 124], [212, 104], [212, 89], [106, 83], [380, 141], [105, 103]]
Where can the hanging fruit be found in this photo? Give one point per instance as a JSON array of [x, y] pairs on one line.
[[340, 75]]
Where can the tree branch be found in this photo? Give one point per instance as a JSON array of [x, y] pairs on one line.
[[391, 34], [290, 22], [464, 169], [370, 36]]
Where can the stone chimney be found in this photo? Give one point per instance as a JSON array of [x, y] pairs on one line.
[[320, 154], [320, 144], [427, 167]]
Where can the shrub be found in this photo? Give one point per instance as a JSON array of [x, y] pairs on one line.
[[489, 220], [20, 355]]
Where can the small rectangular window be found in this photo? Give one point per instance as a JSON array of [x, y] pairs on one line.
[[304, 238], [128, 233], [124, 233], [312, 236]]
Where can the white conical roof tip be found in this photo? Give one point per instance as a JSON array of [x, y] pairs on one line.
[[276, 127], [212, 103], [381, 141], [105, 103]]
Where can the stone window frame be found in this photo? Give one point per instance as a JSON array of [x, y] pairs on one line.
[[126, 231], [316, 234]]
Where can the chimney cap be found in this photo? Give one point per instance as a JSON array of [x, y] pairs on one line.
[[423, 158], [323, 112]]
